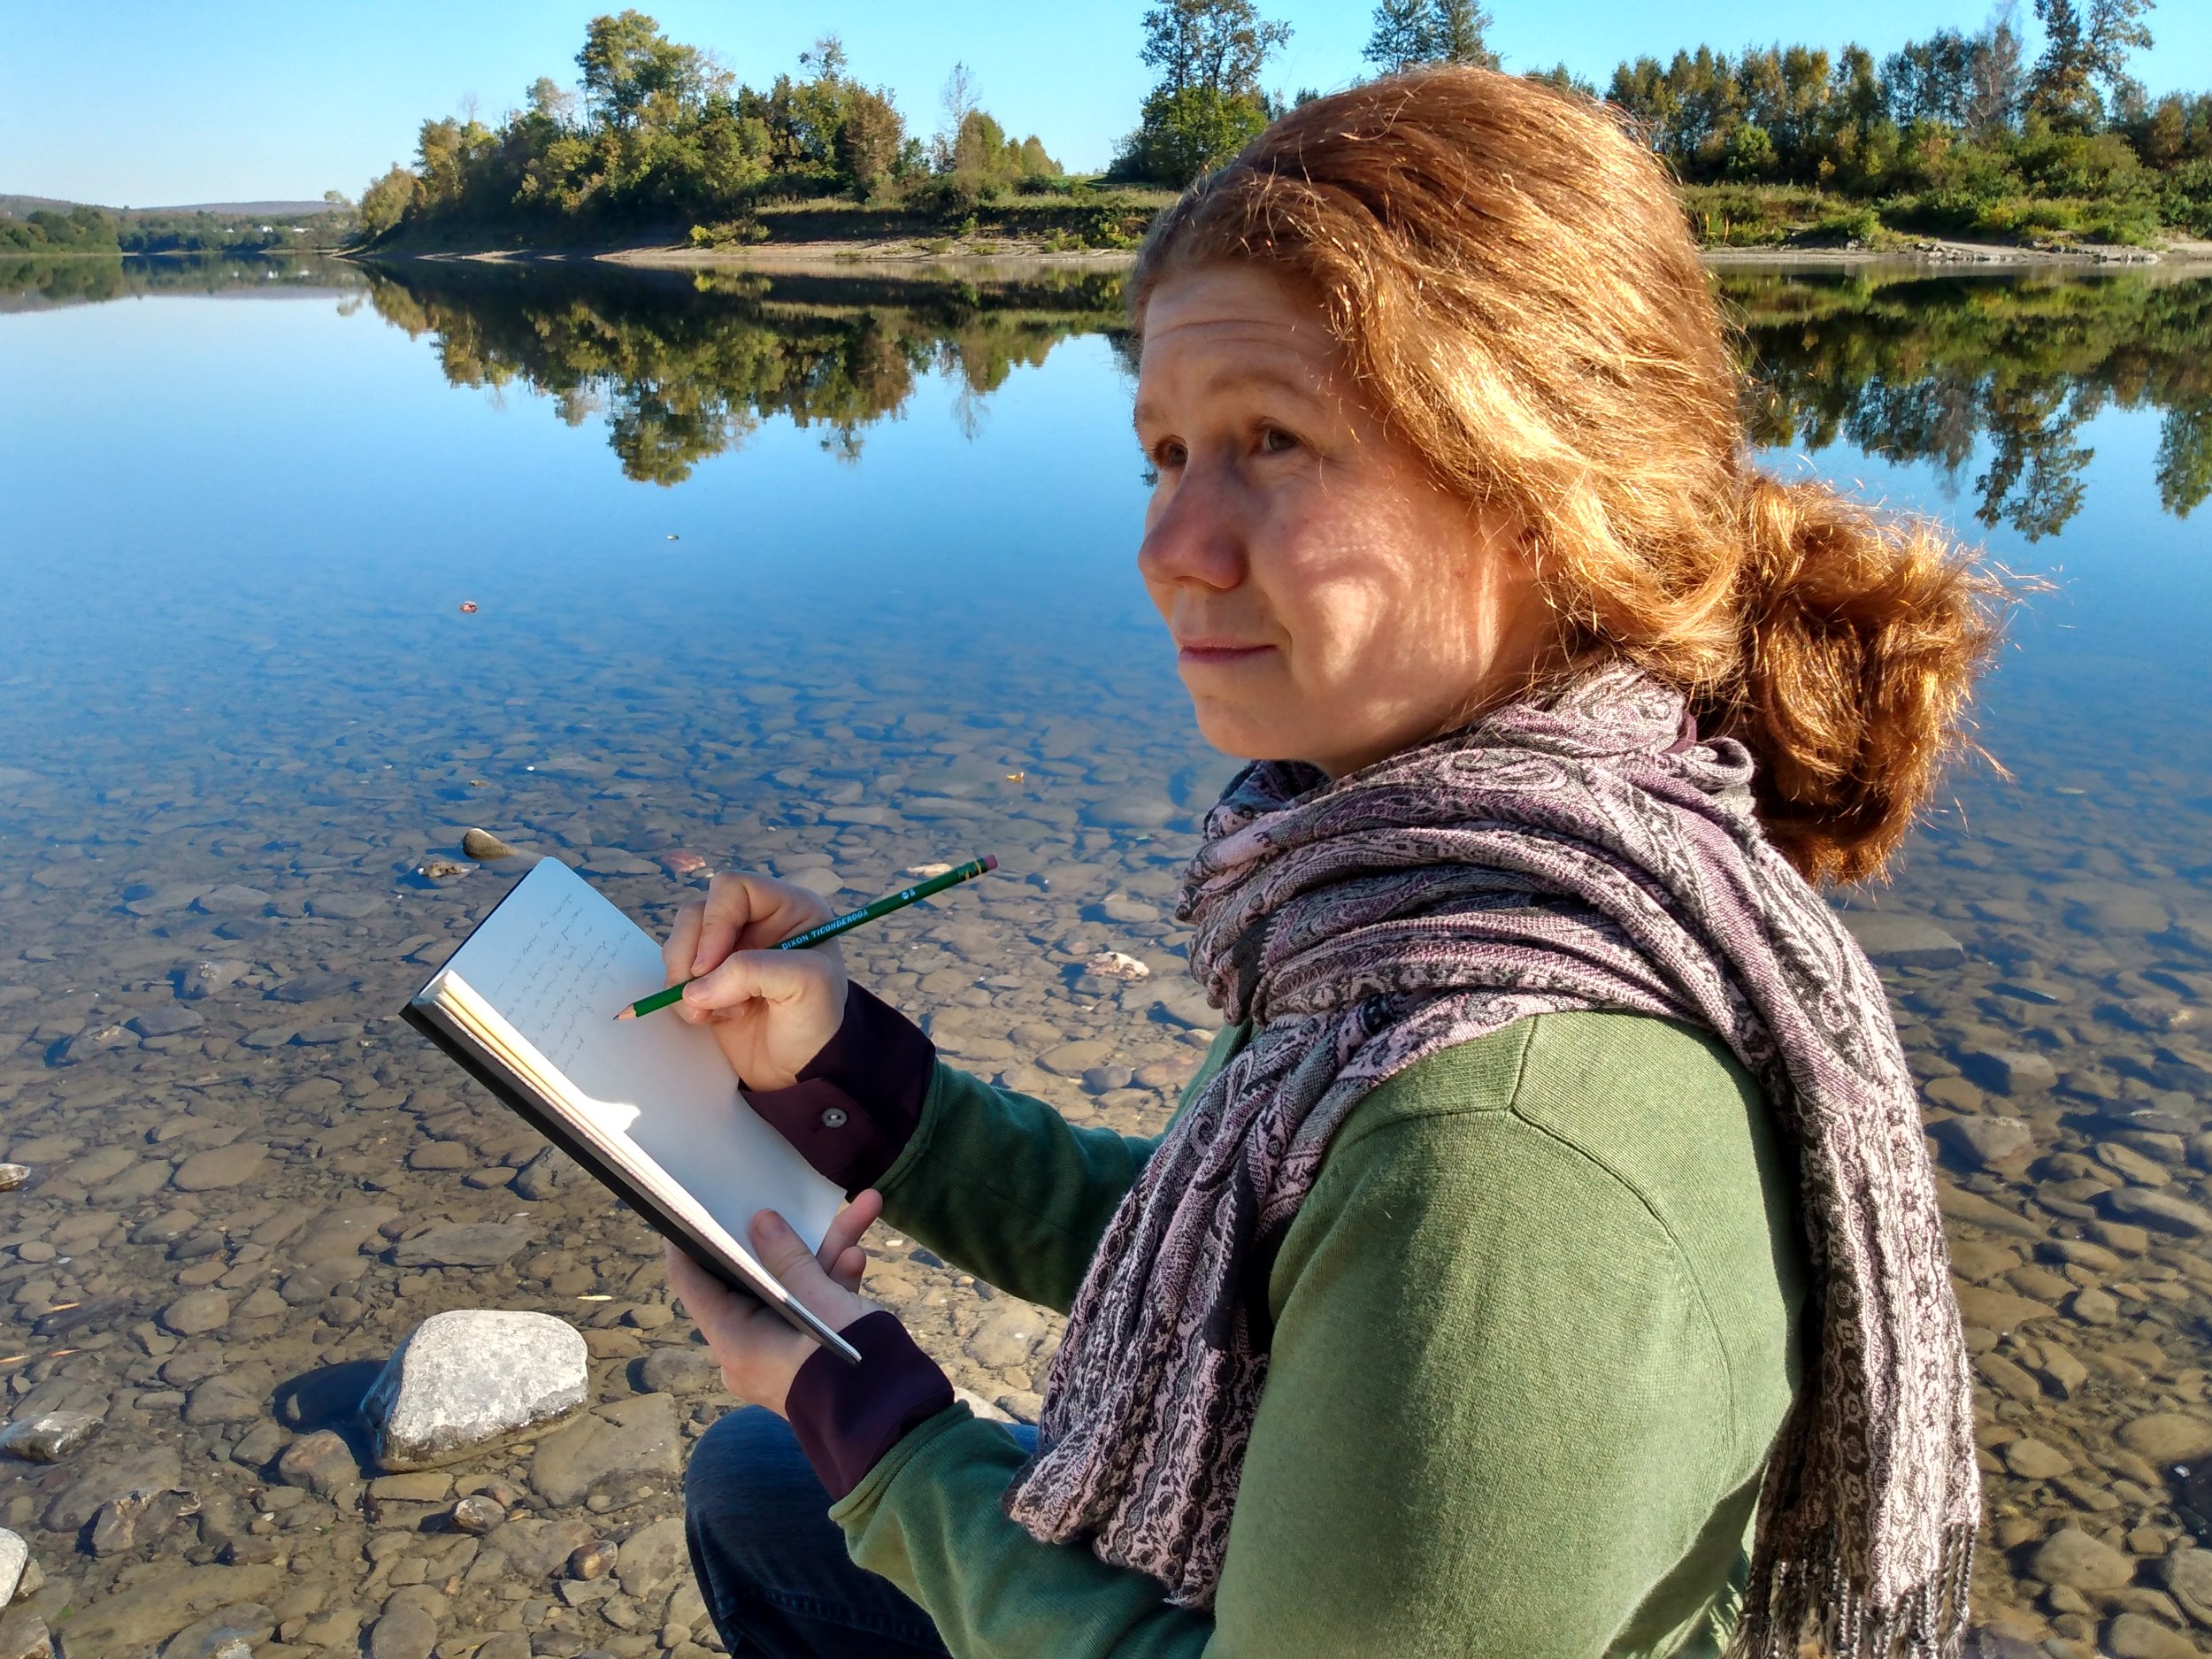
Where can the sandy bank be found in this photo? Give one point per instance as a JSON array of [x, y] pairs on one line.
[[971, 256]]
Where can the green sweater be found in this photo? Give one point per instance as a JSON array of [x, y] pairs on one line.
[[1535, 1329]]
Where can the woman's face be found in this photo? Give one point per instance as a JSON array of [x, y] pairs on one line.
[[1329, 600]]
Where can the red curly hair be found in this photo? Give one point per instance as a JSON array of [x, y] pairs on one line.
[[1512, 280]]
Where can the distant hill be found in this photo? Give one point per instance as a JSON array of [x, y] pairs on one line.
[[244, 210], [20, 206]]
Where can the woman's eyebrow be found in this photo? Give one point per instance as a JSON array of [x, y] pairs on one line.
[[1242, 376]]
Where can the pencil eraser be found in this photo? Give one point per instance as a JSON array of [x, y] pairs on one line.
[[989, 862]]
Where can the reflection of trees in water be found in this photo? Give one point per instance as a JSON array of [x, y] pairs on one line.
[[2003, 369], [1926, 368], [685, 367], [29, 282]]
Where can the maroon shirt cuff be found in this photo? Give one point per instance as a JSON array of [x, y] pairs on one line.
[[857, 1103], [846, 1417]]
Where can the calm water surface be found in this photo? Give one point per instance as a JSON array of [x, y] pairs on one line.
[[835, 575]]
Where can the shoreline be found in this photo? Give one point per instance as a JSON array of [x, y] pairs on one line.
[[816, 257]]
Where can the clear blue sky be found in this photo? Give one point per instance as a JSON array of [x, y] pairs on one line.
[[148, 102]]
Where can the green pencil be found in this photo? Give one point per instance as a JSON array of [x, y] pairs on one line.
[[835, 925]]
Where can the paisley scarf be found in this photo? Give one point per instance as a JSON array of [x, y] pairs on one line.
[[1577, 851]]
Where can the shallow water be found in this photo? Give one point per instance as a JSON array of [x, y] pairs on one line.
[[833, 574]]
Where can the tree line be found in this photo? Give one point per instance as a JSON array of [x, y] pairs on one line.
[[1954, 132], [1957, 133], [659, 134], [86, 229]]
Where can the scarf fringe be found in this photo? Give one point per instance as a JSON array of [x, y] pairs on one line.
[[1812, 1598]]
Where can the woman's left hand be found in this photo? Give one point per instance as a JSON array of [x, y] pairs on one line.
[[760, 1354]]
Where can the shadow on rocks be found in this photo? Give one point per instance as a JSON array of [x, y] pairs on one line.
[[329, 1397]]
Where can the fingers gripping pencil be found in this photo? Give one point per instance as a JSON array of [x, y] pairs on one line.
[[835, 925]]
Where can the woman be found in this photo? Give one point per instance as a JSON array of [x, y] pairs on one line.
[[1545, 1262]]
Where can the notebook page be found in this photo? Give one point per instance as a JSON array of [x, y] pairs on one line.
[[556, 960]]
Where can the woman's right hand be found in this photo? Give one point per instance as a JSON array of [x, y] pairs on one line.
[[772, 1010]]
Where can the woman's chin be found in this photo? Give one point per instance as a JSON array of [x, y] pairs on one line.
[[1237, 732]]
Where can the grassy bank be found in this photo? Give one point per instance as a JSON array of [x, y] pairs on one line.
[[1089, 220], [1082, 219]]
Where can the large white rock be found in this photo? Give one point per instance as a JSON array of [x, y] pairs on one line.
[[468, 1379], [14, 1552]]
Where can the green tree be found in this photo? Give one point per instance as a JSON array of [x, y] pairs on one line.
[[1206, 104], [552, 102], [1409, 31], [2082, 75], [80, 230], [1561, 79], [869, 136], [386, 201], [1188, 133], [1997, 76], [1218, 45], [630, 65], [1928, 80]]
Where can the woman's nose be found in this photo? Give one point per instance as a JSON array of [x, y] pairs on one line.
[[1197, 534]]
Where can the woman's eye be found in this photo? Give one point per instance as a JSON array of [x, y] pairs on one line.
[[1275, 440], [1166, 454]]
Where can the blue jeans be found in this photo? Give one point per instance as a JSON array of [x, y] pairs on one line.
[[772, 1564]]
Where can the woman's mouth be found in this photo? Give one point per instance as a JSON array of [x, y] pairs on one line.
[[1216, 653]]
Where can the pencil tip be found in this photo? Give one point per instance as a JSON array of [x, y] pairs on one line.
[[626, 1014]]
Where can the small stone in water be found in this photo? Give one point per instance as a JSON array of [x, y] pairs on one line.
[[477, 1514], [13, 1553], [204, 979], [484, 845], [321, 1461], [593, 1560], [50, 1436], [1112, 965], [2009, 1071], [682, 862], [1989, 1141], [1902, 940], [439, 869], [13, 1176]]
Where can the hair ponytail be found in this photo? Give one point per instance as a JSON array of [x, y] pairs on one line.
[[1860, 637], [1513, 283]]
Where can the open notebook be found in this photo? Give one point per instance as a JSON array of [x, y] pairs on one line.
[[527, 1005]]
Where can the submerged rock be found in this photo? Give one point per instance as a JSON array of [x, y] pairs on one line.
[[321, 1461], [2070, 1556], [2009, 1071], [484, 845], [13, 1176], [1114, 965], [1990, 1142], [48, 1437], [2169, 1437], [477, 1514], [471, 1378], [1899, 940], [634, 1437], [204, 979], [463, 1244]]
